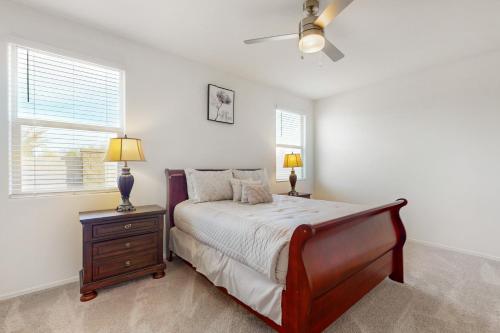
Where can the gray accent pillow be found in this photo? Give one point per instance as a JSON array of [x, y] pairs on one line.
[[244, 184], [257, 194], [237, 185]]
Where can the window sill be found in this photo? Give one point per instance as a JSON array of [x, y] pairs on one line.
[[59, 194]]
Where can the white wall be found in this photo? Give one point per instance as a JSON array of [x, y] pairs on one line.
[[432, 137], [40, 238]]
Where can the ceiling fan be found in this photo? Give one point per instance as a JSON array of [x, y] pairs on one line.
[[311, 29]]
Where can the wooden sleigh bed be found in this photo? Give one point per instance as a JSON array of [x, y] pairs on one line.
[[331, 265]]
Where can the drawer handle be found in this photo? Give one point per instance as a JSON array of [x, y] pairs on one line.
[[128, 263], [127, 226], [127, 245]]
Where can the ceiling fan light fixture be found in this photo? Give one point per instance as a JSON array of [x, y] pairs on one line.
[[312, 41]]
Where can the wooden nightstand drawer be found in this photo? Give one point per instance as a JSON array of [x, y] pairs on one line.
[[124, 228], [120, 246], [103, 268], [124, 246]]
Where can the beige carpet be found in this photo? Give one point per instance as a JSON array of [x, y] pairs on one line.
[[445, 292]]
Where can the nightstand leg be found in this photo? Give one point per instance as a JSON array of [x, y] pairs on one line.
[[88, 296], [169, 258], [158, 275]]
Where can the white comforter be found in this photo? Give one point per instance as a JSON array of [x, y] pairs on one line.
[[256, 235]]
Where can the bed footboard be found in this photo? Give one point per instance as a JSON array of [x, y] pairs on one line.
[[334, 264]]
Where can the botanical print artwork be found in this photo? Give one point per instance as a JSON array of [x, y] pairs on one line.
[[220, 104]]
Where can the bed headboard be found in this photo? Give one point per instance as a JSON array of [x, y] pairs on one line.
[[177, 189]]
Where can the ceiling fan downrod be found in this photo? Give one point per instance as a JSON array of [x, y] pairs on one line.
[[310, 7]]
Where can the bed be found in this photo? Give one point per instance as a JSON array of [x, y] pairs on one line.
[[314, 261]]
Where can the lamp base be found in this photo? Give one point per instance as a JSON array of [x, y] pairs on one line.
[[125, 183], [293, 181], [125, 207]]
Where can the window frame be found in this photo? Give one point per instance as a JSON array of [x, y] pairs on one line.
[[17, 122], [302, 147]]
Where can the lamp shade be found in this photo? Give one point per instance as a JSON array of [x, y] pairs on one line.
[[292, 161], [124, 149]]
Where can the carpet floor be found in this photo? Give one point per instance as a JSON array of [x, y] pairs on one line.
[[444, 292]]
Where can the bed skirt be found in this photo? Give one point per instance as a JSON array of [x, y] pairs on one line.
[[242, 282]]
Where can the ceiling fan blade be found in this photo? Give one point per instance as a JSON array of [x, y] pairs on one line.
[[331, 11], [332, 52], [271, 38]]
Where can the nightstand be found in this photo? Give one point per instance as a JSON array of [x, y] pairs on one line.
[[120, 246], [301, 195]]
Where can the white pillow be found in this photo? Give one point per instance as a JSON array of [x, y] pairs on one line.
[[237, 187], [260, 175], [212, 185], [189, 182]]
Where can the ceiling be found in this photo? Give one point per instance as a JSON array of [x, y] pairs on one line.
[[380, 38]]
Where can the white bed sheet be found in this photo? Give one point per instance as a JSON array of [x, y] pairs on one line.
[[256, 235], [240, 281]]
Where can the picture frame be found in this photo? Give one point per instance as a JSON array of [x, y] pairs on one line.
[[220, 104]]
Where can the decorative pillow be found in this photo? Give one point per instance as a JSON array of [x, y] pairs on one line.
[[257, 194], [212, 185], [237, 187], [260, 175], [245, 183]]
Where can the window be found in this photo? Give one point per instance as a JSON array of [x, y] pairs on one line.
[[62, 114], [290, 138]]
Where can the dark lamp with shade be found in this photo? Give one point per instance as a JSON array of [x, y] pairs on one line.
[[292, 161], [125, 150]]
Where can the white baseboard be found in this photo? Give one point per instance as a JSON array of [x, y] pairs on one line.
[[454, 249], [39, 288]]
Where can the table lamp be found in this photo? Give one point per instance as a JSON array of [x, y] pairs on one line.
[[292, 161], [124, 150]]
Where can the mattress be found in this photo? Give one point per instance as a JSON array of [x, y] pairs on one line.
[[257, 236]]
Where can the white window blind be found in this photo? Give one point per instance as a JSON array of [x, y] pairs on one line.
[[63, 113], [290, 138]]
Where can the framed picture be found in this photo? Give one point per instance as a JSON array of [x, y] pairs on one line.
[[220, 104]]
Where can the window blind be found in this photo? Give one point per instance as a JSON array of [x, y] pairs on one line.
[[63, 113], [290, 131]]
